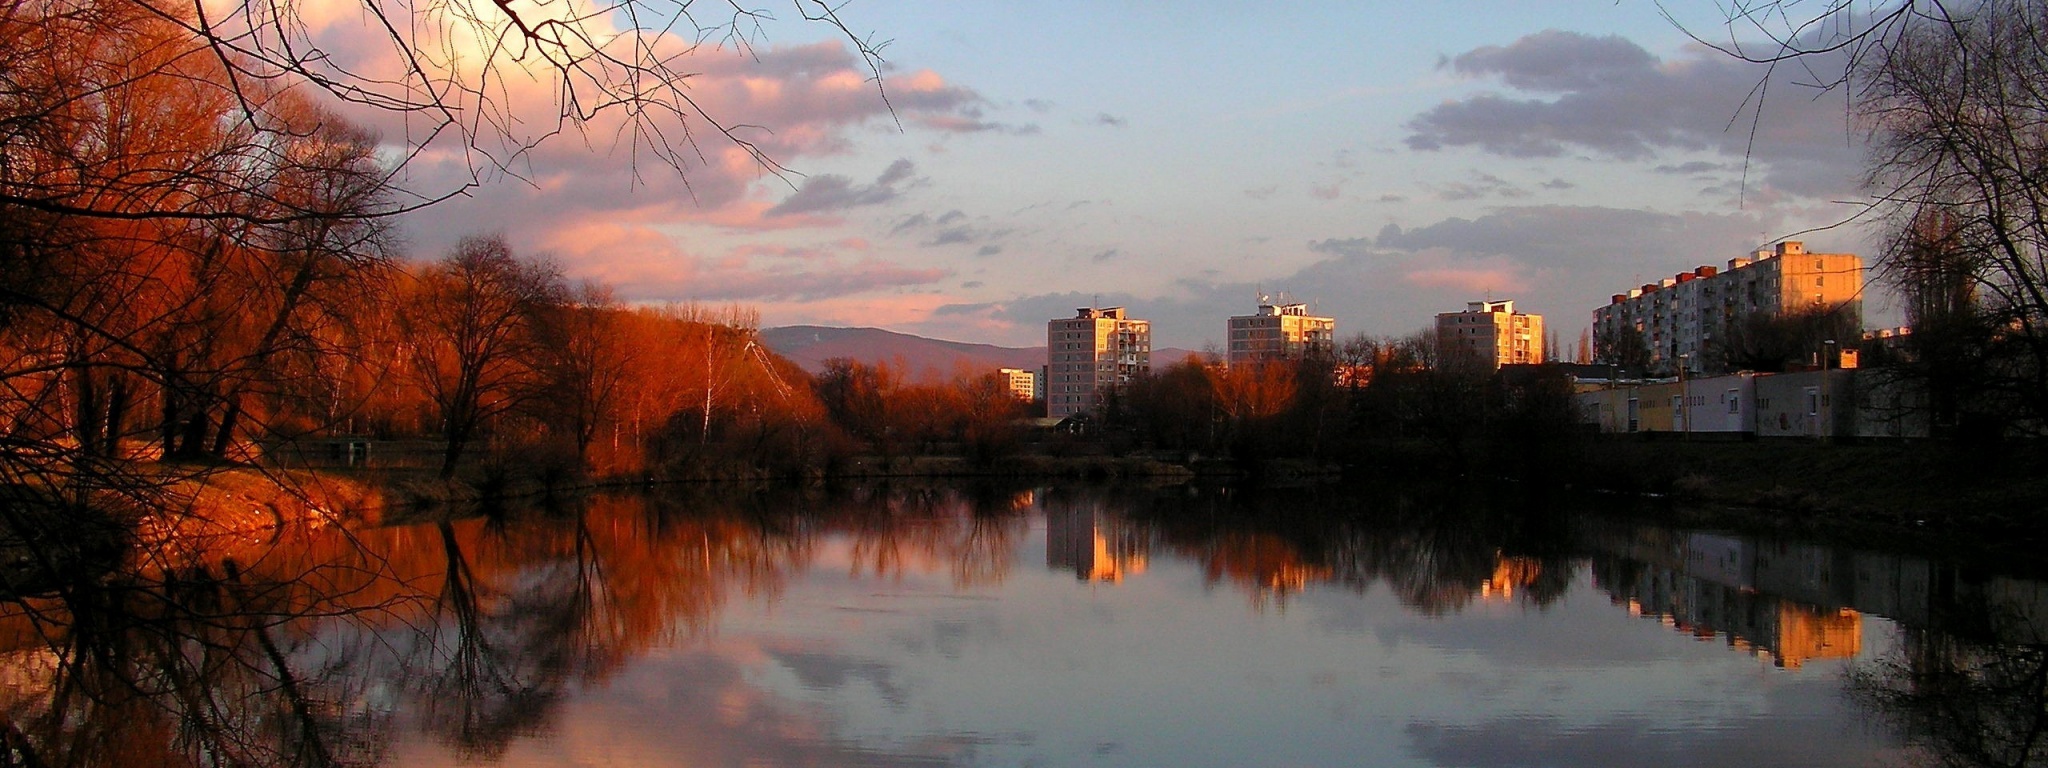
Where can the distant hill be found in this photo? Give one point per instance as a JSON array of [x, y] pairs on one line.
[[922, 358], [811, 345]]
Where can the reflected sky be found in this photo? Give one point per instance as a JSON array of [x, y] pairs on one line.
[[898, 660], [1055, 627]]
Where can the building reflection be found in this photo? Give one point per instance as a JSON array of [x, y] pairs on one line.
[[1510, 574], [1779, 601], [1094, 545]]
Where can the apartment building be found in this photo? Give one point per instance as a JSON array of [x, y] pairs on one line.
[[1090, 353], [1681, 318], [1280, 332], [1491, 332], [1023, 384]]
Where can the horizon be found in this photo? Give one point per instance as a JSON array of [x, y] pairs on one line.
[[1378, 165]]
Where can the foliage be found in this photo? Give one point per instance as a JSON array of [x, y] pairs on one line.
[[1953, 97]]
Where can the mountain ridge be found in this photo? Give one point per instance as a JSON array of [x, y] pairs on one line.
[[920, 357]]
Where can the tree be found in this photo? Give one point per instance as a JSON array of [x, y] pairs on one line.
[[586, 359], [473, 322], [1774, 342], [1955, 99], [1623, 349], [1959, 114]]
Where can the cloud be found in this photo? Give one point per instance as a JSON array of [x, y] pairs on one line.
[[1354, 246], [1736, 738], [1481, 185], [646, 265], [1469, 280], [1110, 120], [810, 101], [1104, 256], [953, 227], [1608, 98], [832, 192], [1556, 61], [1262, 193], [1690, 168], [1559, 184]]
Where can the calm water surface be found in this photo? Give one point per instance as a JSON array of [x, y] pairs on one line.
[[1168, 627]]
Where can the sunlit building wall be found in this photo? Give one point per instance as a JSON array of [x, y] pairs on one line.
[[1682, 317], [1091, 353], [1492, 333], [1280, 332], [1023, 384]]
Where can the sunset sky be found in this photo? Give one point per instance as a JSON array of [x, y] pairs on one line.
[[1379, 163]]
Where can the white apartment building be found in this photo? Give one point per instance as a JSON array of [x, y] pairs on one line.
[[1682, 317], [1491, 332], [1090, 353], [1023, 384], [1280, 332]]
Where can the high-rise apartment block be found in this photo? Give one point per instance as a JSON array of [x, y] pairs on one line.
[[1490, 332], [1683, 317], [1023, 384], [1091, 353], [1280, 332]]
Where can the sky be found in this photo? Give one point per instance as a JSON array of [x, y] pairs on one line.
[[1018, 161]]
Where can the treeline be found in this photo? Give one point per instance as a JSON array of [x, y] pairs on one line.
[[197, 262], [197, 265], [1375, 399]]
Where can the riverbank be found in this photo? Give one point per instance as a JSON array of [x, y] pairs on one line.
[[1923, 495], [1952, 498]]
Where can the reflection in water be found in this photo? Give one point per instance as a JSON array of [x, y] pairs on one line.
[[1094, 545], [473, 636]]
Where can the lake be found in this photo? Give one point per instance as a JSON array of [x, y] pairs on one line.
[[1053, 626]]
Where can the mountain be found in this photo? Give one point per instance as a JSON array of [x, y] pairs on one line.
[[921, 358]]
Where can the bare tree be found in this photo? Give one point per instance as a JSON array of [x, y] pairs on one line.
[[475, 348], [1955, 98]]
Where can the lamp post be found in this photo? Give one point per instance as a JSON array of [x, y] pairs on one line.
[[1827, 352], [1684, 396]]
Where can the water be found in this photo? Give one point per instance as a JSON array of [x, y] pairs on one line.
[[1027, 627]]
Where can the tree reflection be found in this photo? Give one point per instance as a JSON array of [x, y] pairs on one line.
[[1967, 704], [329, 648], [1437, 553], [195, 666]]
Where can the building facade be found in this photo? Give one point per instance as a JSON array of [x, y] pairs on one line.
[[1682, 318], [1091, 353], [1023, 384], [1491, 332], [1280, 332]]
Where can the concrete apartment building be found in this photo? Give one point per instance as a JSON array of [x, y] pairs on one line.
[[1280, 332], [1090, 353], [1681, 317], [1023, 384], [1491, 332]]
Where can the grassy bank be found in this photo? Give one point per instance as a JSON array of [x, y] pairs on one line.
[[1951, 496]]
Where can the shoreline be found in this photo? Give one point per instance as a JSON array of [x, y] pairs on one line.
[[1957, 501]]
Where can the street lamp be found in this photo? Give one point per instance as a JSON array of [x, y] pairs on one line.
[[1684, 396], [1827, 353]]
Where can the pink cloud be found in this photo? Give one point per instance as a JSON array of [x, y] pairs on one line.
[[645, 264]]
